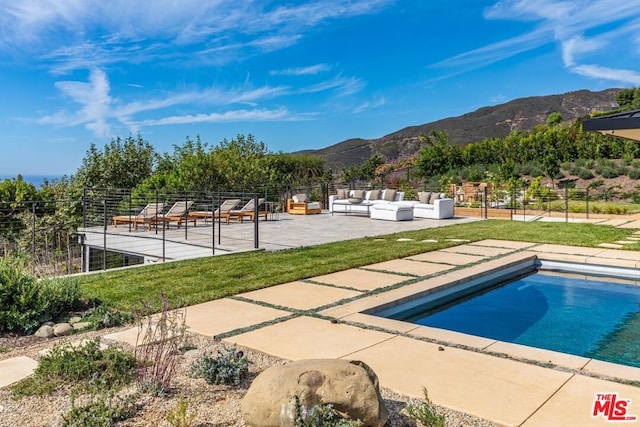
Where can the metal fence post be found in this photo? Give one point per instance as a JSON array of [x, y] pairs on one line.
[[255, 221], [84, 206], [566, 204], [587, 199], [524, 204], [33, 237], [213, 227], [486, 199], [104, 233], [164, 233], [219, 220]]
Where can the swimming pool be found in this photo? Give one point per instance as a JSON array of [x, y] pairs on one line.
[[588, 316]]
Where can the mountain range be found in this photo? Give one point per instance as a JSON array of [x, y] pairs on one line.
[[488, 122]]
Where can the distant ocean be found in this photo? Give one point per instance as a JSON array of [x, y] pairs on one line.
[[36, 180]]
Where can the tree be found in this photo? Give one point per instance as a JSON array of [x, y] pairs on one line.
[[629, 99], [368, 170], [438, 157], [121, 164], [554, 119]]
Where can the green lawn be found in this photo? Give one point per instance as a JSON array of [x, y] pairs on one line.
[[199, 280]]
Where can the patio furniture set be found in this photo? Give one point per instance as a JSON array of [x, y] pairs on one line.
[[152, 214], [386, 204], [389, 204]]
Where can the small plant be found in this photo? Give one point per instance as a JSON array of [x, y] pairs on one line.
[[26, 302], [100, 411], [425, 412], [158, 343], [86, 366], [103, 317], [320, 415], [181, 415], [231, 367], [3, 349]]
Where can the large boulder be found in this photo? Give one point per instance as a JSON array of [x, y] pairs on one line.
[[351, 387]]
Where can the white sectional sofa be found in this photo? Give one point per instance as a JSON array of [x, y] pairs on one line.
[[432, 205], [369, 198], [385, 204]]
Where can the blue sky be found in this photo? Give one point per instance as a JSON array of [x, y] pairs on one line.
[[296, 74]]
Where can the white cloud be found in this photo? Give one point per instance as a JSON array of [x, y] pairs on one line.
[[95, 100], [340, 84], [368, 105], [228, 116], [72, 33], [301, 71], [597, 72], [578, 45], [580, 27], [99, 112]]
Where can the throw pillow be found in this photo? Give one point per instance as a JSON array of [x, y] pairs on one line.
[[342, 193], [302, 197], [389, 195], [358, 194], [295, 198], [424, 197], [375, 195], [434, 196]]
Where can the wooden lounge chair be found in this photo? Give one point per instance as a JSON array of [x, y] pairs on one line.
[[146, 217], [221, 212], [299, 205], [249, 210], [177, 213]]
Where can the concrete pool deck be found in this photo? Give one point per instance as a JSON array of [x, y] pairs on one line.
[[325, 317], [505, 383]]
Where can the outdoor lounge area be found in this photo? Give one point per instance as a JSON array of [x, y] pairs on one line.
[[389, 204], [217, 236]]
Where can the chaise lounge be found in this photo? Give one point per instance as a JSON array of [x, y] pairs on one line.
[[223, 211], [249, 209], [146, 216]]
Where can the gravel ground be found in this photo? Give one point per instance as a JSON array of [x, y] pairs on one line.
[[215, 405]]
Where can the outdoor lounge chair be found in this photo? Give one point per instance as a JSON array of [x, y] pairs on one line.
[[249, 210], [146, 217], [177, 213], [222, 211], [298, 205]]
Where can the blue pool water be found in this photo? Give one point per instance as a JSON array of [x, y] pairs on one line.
[[589, 318]]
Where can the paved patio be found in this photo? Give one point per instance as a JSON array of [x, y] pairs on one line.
[[285, 231]]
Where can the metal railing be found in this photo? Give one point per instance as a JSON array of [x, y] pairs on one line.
[[71, 236]]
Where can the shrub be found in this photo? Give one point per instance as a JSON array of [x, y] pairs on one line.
[[585, 174], [425, 412], [100, 411], [181, 416], [320, 415], [158, 343], [103, 317], [26, 302], [634, 173], [86, 366], [616, 209], [611, 172], [231, 367]]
